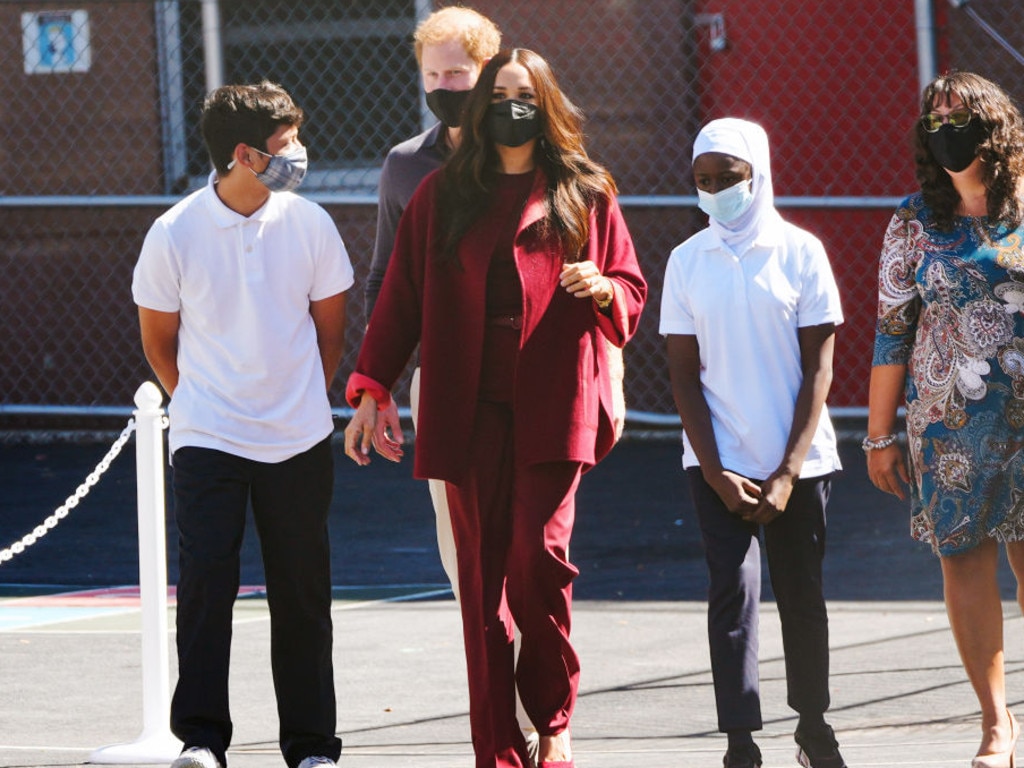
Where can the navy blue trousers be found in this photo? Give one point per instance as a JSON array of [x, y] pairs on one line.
[[795, 547], [290, 501]]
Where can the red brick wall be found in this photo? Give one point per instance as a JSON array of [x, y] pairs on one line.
[[114, 108]]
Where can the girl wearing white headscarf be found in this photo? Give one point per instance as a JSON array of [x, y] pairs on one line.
[[749, 310]]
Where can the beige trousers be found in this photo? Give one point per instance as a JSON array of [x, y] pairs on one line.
[[445, 536]]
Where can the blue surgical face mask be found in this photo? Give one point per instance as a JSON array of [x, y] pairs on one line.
[[729, 204], [284, 172]]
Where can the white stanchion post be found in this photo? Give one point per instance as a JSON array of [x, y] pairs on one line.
[[156, 744]]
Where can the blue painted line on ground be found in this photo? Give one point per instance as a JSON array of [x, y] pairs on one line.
[[14, 617], [19, 608]]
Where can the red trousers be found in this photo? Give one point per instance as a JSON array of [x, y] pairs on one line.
[[512, 526]]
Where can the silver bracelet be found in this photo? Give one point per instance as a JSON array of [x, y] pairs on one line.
[[878, 443]]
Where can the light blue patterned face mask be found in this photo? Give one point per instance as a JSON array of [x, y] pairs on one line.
[[727, 205], [284, 172]]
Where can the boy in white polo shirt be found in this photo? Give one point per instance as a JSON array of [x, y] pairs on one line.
[[749, 309], [241, 294]]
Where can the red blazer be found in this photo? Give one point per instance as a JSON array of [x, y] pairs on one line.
[[562, 402]]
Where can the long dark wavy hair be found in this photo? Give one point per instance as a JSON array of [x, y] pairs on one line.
[[575, 182], [1001, 152]]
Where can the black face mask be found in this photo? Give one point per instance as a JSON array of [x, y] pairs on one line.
[[512, 123], [956, 148], [447, 105]]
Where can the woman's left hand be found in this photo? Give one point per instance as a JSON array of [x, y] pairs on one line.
[[584, 281], [360, 431]]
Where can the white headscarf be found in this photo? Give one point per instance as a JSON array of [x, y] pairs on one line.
[[747, 141]]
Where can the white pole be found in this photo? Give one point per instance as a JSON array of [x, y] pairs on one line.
[[213, 45], [156, 744], [924, 22]]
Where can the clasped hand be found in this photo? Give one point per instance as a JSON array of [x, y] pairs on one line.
[[759, 504]]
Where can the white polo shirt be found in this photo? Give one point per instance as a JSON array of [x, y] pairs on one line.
[[251, 378], [745, 312]]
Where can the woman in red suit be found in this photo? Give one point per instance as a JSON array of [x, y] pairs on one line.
[[512, 267]]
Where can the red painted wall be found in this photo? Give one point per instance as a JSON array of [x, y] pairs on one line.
[[838, 105]]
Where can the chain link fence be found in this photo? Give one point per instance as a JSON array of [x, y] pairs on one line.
[[100, 136]]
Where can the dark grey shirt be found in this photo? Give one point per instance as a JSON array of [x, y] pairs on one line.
[[404, 168]]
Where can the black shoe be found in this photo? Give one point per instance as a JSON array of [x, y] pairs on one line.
[[818, 748], [748, 756]]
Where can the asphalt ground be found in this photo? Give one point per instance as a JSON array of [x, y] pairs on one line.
[[70, 678]]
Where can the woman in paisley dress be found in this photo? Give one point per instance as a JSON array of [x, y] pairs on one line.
[[950, 340]]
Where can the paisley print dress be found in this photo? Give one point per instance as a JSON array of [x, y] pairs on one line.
[[951, 308]]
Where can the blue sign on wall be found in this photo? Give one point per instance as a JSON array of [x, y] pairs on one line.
[[56, 41]]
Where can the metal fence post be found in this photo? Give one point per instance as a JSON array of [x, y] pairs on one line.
[[213, 45], [156, 744]]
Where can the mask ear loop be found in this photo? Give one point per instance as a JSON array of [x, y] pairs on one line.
[[234, 162]]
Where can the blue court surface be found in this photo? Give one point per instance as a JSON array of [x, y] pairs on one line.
[[635, 536]]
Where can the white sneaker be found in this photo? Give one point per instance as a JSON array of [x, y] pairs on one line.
[[196, 757], [313, 761]]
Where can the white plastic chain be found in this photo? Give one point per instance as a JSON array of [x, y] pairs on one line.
[[72, 501]]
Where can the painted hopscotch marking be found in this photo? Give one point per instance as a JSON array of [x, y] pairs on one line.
[[26, 613], [18, 614]]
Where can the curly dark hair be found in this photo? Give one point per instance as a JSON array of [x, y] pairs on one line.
[[1001, 152], [575, 182]]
